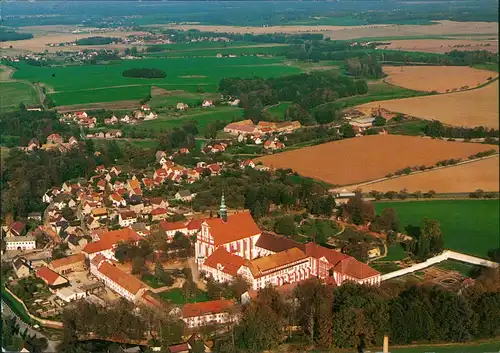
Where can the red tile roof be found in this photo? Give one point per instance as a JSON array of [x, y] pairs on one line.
[[195, 224], [332, 256], [48, 276], [168, 226], [65, 261], [224, 261], [179, 348], [353, 268], [206, 308], [238, 226], [158, 211], [124, 280], [17, 227], [268, 264], [110, 238], [97, 260]]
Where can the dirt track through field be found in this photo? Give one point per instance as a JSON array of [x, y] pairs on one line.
[[356, 160], [437, 78], [477, 107], [482, 174]]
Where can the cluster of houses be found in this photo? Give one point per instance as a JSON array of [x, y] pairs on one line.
[[205, 104], [54, 141], [264, 132]]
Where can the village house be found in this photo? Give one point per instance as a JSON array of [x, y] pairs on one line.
[[117, 200], [138, 114], [21, 267], [170, 228], [54, 139], [184, 195], [247, 163], [73, 141], [208, 313], [141, 228], [99, 213], [273, 145], [158, 214], [51, 278], [181, 106], [15, 230], [33, 145], [150, 116], [124, 284], [244, 127], [126, 119], [35, 216], [234, 245], [113, 134], [214, 168], [158, 202], [21, 243], [69, 264], [145, 107], [76, 244], [127, 218], [105, 242], [362, 123], [33, 108], [71, 293], [80, 115], [111, 121], [207, 104]]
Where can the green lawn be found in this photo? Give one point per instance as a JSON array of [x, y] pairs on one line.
[[465, 269], [102, 83], [151, 281], [395, 252], [201, 117], [318, 229], [175, 296], [278, 50], [278, 111], [493, 346], [384, 267], [15, 306], [13, 93], [376, 92], [468, 226]]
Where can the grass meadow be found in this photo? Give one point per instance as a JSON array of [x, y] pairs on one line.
[[12, 93], [468, 226], [105, 83], [477, 347]]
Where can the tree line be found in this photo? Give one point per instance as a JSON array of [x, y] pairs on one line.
[[6, 35], [97, 40], [437, 129], [144, 73], [306, 91]]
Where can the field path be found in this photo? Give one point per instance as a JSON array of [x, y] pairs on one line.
[[6, 73]]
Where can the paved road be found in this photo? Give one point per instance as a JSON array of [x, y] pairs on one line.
[[22, 325]]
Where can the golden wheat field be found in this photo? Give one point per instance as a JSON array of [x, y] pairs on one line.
[[467, 108], [468, 177], [361, 159], [437, 78]]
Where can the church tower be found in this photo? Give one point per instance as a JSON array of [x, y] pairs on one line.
[[223, 209]]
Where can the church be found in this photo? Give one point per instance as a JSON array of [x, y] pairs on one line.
[[233, 245]]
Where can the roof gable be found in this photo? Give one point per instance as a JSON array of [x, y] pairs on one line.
[[238, 226]]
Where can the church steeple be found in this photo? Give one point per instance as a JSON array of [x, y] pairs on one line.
[[223, 209]]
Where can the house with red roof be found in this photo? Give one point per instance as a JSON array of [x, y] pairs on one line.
[[51, 278], [124, 284], [209, 313], [117, 200], [158, 214], [214, 168], [170, 228], [247, 163], [107, 242], [54, 139]]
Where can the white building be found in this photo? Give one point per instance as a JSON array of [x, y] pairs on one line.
[[125, 285], [69, 294], [20, 243], [234, 245], [127, 218], [208, 313]]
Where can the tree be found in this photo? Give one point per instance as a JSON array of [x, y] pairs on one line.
[[139, 266], [431, 229], [348, 131], [385, 222], [358, 211], [285, 225], [379, 121], [296, 113], [89, 147], [189, 289], [357, 250]]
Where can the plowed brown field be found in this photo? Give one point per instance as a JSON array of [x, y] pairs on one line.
[[461, 178], [467, 108], [437, 78], [356, 160]]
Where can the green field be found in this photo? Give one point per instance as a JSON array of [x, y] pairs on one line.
[[175, 296], [105, 83], [277, 50], [465, 269], [491, 347], [468, 226], [278, 111], [201, 117], [395, 252], [13, 93], [377, 91]]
